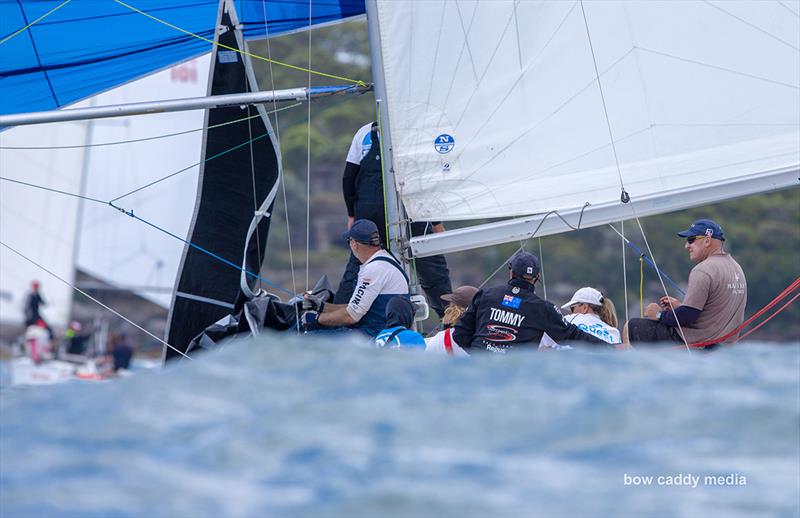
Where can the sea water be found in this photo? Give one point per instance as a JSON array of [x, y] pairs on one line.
[[278, 426]]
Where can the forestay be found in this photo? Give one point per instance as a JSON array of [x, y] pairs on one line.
[[496, 110]]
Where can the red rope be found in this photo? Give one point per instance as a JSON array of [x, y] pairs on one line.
[[793, 286], [770, 317]]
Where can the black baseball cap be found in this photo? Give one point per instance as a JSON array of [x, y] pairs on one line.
[[524, 264]]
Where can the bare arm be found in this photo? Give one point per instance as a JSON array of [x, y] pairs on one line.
[[335, 315]]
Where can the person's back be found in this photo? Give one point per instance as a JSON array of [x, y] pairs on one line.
[[399, 318], [718, 287]]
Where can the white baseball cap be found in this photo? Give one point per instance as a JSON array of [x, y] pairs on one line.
[[585, 295]]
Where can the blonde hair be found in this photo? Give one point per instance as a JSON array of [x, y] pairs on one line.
[[452, 313], [607, 312]]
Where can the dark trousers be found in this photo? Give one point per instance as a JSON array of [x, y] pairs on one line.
[[432, 272]]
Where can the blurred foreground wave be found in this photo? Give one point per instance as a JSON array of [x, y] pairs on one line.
[[279, 426]]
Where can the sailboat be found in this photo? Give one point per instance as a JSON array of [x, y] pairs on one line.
[[544, 117]]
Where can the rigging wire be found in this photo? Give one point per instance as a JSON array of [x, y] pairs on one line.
[[533, 234], [624, 268], [244, 53], [625, 197], [541, 261], [221, 153], [146, 139], [37, 20], [75, 288], [254, 191], [308, 156], [280, 166]]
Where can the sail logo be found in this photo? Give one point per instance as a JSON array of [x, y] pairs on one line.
[[444, 143]]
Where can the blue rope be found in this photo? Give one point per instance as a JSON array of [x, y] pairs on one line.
[[198, 247], [651, 263]]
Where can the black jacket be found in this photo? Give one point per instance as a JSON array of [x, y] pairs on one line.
[[504, 317]]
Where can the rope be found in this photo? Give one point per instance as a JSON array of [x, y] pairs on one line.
[[644, 256], [641, 286], [624, 268], [541, 262], [244, 53], [37, 20], [793, 286], [95, 300]]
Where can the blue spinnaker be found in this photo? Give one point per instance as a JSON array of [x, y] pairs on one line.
[[89, 46]]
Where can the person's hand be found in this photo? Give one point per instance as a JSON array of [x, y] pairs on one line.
[[350, 221], [669, 302], [310, 320], [652, 311], [314, 302]]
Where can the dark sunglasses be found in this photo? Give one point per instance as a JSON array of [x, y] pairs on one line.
[[692, 239]]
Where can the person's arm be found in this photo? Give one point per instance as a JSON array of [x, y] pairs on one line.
[[686, 316], [560, 330], [349, 187], [335, 315], [464, 328], [437, 227]]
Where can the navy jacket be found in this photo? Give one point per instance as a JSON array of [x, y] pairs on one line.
[[504, 317]]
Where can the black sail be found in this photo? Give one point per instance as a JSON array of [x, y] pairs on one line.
[[236, 189]]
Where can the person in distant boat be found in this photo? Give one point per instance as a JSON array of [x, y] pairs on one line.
[[510, 316], [33, 302], [398, 333], [38, 342], [380, 278], [362, 185], [592, 313], [443, 342], [715, 297]]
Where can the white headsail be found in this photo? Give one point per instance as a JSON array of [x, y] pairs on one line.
[[496, 110], [63, 233]]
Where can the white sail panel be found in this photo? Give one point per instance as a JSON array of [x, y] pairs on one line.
[[693, 93], [38, 224], [62, 233]]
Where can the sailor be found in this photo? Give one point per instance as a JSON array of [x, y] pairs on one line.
[[591, 312], [362, 185], [443, 342], [398, 333], [380, 278], [715, 297], [32, 303], [510, 316]]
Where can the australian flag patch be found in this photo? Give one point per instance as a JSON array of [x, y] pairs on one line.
[[510, 301]]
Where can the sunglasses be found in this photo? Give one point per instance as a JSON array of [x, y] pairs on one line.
[[692, 239]]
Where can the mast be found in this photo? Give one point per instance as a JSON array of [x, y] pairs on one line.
[[395, 215]]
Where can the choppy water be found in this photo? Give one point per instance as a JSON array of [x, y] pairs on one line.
[[277, 427]]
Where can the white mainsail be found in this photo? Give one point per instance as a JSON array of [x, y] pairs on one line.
[[496, 110], [47, 226]]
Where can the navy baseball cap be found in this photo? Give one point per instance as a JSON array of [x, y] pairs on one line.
[[364, 231], [524, 264], [704, 227]]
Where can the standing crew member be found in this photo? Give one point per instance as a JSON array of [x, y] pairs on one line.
[[715, 298], [504, 317], [362, 185], [380, 278]]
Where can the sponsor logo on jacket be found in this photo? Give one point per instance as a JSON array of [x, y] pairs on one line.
[[360, 290]]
